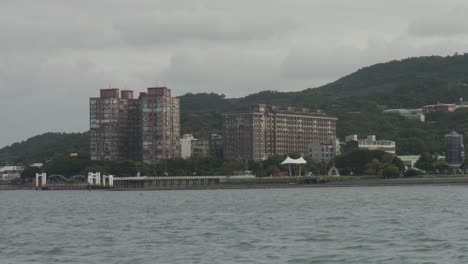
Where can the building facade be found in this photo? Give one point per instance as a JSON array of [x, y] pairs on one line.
[[216, 146], [146, 129], [415, 114], [186, 146], [8, 173], [160, 125], [324, 151], [454, 149], [201, 148], [265, 131], [439, 107]]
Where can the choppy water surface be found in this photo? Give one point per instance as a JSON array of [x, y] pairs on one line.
[[326, 225]]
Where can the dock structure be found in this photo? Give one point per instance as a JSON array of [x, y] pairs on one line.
[[96, 181], [169, 182]]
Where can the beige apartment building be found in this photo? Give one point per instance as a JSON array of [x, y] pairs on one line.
[[267, 130]]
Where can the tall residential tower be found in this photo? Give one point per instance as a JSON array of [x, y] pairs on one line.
[[146, 129]]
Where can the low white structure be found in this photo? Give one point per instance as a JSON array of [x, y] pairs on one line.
[[37, 165], [8, 173], [42, 177], [108, 181], [333, 171], [409, 160], [94, 178]]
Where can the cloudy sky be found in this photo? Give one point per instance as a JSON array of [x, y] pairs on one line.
[[55, 54]]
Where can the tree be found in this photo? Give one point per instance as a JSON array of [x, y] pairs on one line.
[[442, 166], [426, 162], [390, 171], [229, 166], [411, 173], [30, 172], [398, 163]]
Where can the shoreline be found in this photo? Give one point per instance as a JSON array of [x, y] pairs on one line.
[[436, 181]]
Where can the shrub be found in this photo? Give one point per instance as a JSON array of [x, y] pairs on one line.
[[412, 173]]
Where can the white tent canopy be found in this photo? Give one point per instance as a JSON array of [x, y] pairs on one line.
[[288, 161]]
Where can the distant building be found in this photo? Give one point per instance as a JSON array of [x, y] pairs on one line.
[[415, 114], [266, 130], [186, 146], [37, 165], [439, 107], [324, 151], [216, 146], [201, 148], [8, 173], [147, 128], [454, 149], [352, 143]]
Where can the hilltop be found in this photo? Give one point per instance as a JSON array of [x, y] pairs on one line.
[[356, 99], [45, 147]]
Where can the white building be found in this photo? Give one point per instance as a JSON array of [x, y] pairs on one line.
[[37, 165], [324, 151], [416, 114], [10, 172], [186, 146], [370, 143]]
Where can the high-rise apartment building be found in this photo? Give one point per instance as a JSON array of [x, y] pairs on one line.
[[160, 125], [147, 128], [265, 131]]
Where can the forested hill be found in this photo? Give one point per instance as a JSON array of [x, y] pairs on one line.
[[45, 147], [410, 82], [356, 99]]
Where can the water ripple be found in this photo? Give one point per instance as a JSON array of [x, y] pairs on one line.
[[332, 225]]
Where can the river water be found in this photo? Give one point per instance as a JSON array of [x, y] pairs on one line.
[[426, 224]]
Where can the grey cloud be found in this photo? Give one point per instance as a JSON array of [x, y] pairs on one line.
[[55, 54], [185, 29], [445, 24]]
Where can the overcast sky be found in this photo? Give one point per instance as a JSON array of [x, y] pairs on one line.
[[55, 54]]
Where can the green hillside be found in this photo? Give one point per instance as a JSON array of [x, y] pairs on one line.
[[45, 147], [359, 99], [356, 99]]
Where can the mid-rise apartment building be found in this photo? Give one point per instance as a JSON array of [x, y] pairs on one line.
[[324, 151], [147, 128], [201, 148], [265, 130]]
